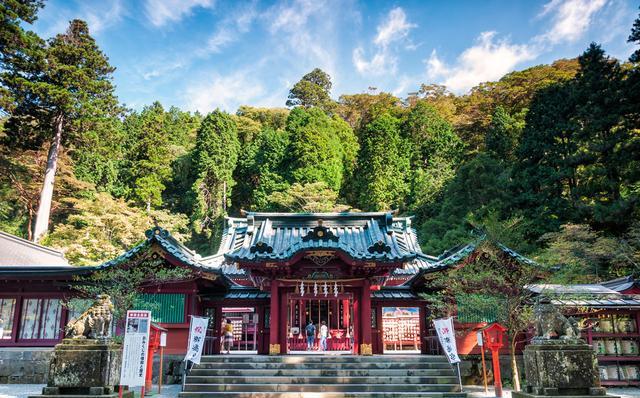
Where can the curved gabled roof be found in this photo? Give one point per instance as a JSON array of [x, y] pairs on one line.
[[361, 236]]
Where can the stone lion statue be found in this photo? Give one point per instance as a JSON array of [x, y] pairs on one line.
[[95, 322], [550, 323]]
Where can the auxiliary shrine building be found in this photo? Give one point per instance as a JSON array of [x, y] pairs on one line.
[[359, 273]]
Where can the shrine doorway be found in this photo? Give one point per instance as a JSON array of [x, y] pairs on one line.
[[245, 328], [401, 330], [336, 312]]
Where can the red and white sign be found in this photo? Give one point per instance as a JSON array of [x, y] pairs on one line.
[[447, 337], [136, 346], [197, 334]]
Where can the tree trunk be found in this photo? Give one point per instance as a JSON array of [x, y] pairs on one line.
[[46, 194], [514, 365]]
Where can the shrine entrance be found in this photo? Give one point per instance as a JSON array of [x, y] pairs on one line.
[[245, 328], [401, 330], [337, 314]]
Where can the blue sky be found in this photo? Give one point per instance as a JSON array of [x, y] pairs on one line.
[[207, 54]]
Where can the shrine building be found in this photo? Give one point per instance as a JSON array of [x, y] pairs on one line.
[[359, 273]]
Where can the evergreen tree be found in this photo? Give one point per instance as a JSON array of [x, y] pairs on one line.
[[634, 37], [55, 90], [503, 134], [312, 90], [383, 165], [17, 46], [214, 159], [321, 148], [261, 170], [148, 160]]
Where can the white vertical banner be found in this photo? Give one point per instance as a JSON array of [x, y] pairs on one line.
[[136, 346], [197, 334], [447, 337]]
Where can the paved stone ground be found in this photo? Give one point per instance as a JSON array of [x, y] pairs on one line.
[[478, 392], [24, 390], [171, 391]]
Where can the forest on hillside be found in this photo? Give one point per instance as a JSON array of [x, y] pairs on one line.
[[545, 160]]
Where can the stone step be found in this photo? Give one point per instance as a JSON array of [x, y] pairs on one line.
[[320, 365], [208, 371], [322, 358], [320, 380], [317, 388], [324, 395]]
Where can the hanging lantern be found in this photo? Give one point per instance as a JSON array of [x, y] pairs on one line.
[[341, 288], [297, 291], [301, 288], [315, 288], [335, 289], [325, 289]]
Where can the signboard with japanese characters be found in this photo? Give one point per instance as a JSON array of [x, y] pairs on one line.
[[447, 337], [197, 334], [136, 346]]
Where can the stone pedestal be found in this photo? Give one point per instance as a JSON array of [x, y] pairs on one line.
[[84, 367], [555, 368]]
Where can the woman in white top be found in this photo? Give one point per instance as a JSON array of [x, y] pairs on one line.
[[324, 333]]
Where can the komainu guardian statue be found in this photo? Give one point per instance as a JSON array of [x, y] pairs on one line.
[[94, 323], [550, 323]]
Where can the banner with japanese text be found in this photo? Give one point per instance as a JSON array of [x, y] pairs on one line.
[[197, 334], [136, 346], [447, 337]]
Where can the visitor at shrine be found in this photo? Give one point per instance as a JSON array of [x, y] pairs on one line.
[[227, 339], [310, 330], [324, 332]]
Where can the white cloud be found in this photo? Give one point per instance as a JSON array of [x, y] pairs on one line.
[[488, 59], [394, 29], [305, 35], [570, 19], [224, 92], [231, 28], [100, 15], [160, 12], [290, 18]]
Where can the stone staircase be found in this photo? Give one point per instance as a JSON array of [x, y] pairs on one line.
[[340, 376]]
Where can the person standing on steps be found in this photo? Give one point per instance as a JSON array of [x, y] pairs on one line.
[[310, 330], [227, 336], [324, 333]]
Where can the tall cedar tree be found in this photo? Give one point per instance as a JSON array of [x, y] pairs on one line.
[[62, 83], [321, 148], [17, 46], [383, 165], [148, 160], [214, 159]]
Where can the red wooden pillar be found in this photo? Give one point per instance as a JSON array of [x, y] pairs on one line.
[[284, 320], [274, 341], [423, 328], [365, 319], [217, 331], [356, 324]]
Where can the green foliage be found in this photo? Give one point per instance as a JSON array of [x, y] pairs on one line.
[[314, 197], [583, 255], [261, 170], [126, 284], [321, 148], [214, 159], [101, 228], [312, 91], [634, 37], [383, 165]]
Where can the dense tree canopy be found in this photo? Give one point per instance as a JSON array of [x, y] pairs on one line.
[[553, 149]]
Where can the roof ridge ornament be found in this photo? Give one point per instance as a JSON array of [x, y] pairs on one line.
[[156, 231], [320, 232], [379, 247], [261, 247]]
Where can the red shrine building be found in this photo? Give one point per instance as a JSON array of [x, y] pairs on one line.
[[360, 274]]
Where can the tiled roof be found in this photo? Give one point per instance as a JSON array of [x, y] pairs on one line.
[[361, 236], [20, 252]]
